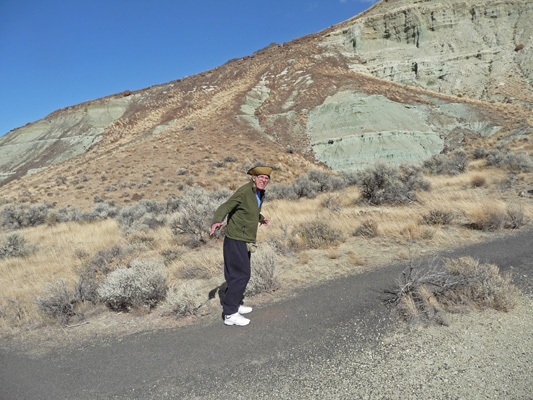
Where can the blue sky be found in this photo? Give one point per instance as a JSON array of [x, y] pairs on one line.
[[57, 53]]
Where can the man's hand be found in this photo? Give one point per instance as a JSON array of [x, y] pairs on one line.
[[264, 221], [215, 227]]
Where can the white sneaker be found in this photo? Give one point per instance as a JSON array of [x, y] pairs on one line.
[[236, 319], [244, 309]]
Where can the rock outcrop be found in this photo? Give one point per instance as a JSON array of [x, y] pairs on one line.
[[467, 48], [60, 136], [351, 130]]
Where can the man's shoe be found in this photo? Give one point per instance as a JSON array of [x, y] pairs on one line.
[[244, 309], [236, 319]]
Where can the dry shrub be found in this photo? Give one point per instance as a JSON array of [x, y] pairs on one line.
[[263, 278], [316, 181], [447, 164], [430, 301], [332, 203], [459, 285], [407, 309], [413, 231], [369, 228], [194, 216], [284, 243], [181, 301], [488, 219], [384, 184], [141, 239], [15, 245], [278, 191], [141, 216], [515, 217], [470, 283], [12, 311], [420, 306], [58, 302], [318, 234], [438, 217], [427, 233], [172, 254], [494, 218], [80, 253], [478, 181], [141, 284], [479, 153], [94, 270], [197, 265], [503, 157], [23, 215]]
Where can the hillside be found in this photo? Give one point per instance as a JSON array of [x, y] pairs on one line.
[[400, 82]]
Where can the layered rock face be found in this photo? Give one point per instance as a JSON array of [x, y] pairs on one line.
[[62, 135], [478, 49], [352, 130]]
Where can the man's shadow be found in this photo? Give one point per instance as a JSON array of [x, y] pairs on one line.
[[221, 291]]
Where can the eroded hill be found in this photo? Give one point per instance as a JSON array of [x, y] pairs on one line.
[[382, 85]]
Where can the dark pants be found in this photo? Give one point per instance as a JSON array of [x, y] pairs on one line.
[[237, 272]]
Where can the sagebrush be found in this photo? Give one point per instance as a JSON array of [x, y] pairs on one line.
[[58, 301], [384, 184], [15, 245], [142, 283], [263, 264], [181, 300], [194, 215]]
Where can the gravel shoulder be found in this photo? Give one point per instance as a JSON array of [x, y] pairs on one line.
[[485, 355]]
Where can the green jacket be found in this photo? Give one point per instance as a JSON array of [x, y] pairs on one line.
[[243, 213]]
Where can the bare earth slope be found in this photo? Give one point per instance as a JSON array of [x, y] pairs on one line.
[[323, 98]]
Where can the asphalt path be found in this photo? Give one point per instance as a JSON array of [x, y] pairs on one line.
[[204, 360]]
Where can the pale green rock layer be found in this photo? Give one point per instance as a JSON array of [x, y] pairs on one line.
[[58, 138], [446, 46], [395, 148], [352, 130]]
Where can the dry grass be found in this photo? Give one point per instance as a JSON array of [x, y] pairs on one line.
[[205, 264], [397, 232], [355, 258], [58, 255], [487, 215]]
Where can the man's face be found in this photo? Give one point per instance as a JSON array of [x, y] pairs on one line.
[[261, 181]]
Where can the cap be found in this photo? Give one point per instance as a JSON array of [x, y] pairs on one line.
[[260, 170]]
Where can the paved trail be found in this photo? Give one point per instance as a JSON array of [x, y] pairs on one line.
[[205, 360]]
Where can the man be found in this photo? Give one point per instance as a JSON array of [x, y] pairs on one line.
[[243, 210]]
